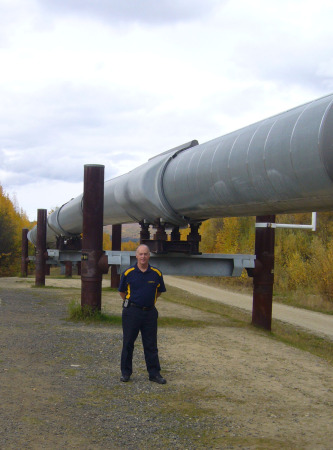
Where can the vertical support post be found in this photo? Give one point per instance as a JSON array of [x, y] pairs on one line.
[[68, 269], [160, 234], [92, 241], [144, 232], [160, 237], [24, 257], [116, 245], [175, 234], [194, 238], [263, 278], [41, 247]]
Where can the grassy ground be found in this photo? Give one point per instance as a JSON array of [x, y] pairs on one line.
[[300, 298], [222, 315], [185, 413], [237, 317]]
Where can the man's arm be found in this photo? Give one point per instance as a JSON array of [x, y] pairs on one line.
[[122, 295]]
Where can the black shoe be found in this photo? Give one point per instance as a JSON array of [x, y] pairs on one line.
[[125, 378], [158, 379]]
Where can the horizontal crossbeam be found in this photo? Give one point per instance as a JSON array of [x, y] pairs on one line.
[[207, 264]]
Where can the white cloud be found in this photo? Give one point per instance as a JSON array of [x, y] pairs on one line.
[[115, 83], [142, 11]]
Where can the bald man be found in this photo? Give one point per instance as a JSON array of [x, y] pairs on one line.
[[140, 286]]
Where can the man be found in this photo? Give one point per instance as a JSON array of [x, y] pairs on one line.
[[140, 286]]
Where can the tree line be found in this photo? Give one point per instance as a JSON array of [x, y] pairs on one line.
[[303, 258], [12, 220]]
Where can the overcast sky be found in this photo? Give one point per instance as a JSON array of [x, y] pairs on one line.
[[116, 82]]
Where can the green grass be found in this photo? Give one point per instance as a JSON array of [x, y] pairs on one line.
[[33, 286], [305, 300], [221, 315], [301, 298], [77, 313], [179, 322], [109, 289], [235, 317], [226, 315], [46, 286], [302, 340]]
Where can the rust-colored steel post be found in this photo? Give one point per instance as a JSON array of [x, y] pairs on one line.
[[92, 241], [263, 278], [41, 247], [68, 269], [116, 245], [24, 257]]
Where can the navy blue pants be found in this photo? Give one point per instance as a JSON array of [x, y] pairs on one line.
[[135, 320]]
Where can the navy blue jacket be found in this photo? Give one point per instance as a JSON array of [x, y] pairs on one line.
[[142, 287]]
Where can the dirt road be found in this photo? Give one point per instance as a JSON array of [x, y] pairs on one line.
[[228, 387], [321, 324]]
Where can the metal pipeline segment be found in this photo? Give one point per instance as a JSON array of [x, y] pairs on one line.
[[278, 165]]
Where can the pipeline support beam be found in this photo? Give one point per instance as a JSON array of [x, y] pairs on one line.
[[263, 274], [68, 269], [41, 247], [92, 240]]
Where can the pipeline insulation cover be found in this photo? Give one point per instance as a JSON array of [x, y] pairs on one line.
[[283, 164]]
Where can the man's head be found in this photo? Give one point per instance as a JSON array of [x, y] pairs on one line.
[[142, 255]]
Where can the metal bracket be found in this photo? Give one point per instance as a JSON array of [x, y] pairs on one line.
[[290, 225]]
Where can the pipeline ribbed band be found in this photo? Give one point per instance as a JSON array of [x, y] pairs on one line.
[[64, 232]]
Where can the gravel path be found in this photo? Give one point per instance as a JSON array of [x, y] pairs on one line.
[[60, 383], [321, 324], [228, 387]]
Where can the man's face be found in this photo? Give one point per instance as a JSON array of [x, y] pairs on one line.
[[142, 255]]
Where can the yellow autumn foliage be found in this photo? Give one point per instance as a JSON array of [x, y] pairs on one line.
[[11, 223]]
